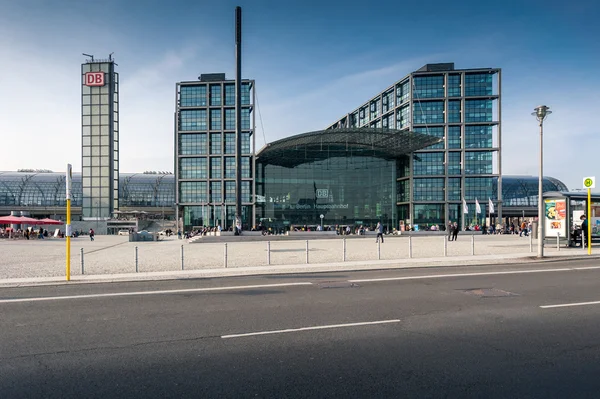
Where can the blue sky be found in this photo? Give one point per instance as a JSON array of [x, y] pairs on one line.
[[313, 61]]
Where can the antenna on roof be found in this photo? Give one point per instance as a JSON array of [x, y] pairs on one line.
[[88, 55]]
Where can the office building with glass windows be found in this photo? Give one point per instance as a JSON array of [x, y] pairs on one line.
[[463, 108], [205, 152], [99, 138]]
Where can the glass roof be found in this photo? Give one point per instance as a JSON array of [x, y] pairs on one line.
[[323, 144]]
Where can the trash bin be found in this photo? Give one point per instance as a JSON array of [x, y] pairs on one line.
[[534, 229]]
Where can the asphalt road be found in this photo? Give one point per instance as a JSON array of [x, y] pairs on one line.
[[444, 332]]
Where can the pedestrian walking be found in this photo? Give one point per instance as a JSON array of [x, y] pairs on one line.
[[379, 230], [92, 234], [455, 231], [450, 228]]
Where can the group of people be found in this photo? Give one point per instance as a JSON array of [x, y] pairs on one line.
[[453, 231]]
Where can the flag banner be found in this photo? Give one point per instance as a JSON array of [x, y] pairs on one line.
[[477, 207], [465, 207], [491, 205]]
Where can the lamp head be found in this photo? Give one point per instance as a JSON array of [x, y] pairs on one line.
[[541, 112]]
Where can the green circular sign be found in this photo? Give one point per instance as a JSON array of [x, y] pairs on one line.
[[588, 182]]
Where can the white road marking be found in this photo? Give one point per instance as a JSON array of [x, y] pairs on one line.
[[366, 323], [567, 305], [162, 292], [370, 280]]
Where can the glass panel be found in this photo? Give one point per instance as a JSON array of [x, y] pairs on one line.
[[454, 86], [215, 119], [215, 143], [428, 86], [428, 163], [428, 189], [453, 140], [192, 120], [215, 168], [478, 162], [193, 168], [437, 131], [454, 186], [478, 110], [478, 136], [478, 84], [193, 144], [192, 96], [428, 215], [215, 94], [428, 112]]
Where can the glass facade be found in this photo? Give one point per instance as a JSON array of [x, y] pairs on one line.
[[100, 139], [353, 190], [462, 107], [206, 150]]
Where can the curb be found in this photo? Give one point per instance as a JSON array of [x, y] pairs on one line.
[[354, 266]]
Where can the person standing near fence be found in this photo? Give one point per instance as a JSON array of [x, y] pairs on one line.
[[379, 230]]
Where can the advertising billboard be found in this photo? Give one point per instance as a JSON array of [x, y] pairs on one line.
[[555, 217]]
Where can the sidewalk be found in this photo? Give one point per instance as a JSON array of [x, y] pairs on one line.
[[454, 261]]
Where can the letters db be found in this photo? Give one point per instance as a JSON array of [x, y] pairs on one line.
[[94, 78]]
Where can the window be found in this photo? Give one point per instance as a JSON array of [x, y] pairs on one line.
[[437, 131], [246, 168], [215, 168], [454, 86], [428, 189], [245, 93], [454, 111], [229, 143], [192, 144], [478, 162], [215, 119], [403, 118], [481, 188], [478, 84], [478, 136], [193, 191], [453, 139], [192, 120], [230, 94], [403, 191], [428, 86], [216, 193], [454, 165], [428, 163], [387, 101], [246, 118], [362, 116], [229, 167], [478, 111], [454, 193], [246, 191], [429, 214], [192, 96], [229, 191], [230, 119], [192, 168], [246, 143], [402, 92], [375, 109], [215, 143], [215, 94], [428, 112]]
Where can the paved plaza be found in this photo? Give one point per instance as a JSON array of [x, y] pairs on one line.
[[116, 255]]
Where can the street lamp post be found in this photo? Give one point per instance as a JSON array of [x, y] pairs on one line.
[[541, 112]]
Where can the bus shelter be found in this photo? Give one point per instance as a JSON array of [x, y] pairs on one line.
[[562, 216]]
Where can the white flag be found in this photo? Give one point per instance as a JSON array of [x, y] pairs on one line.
[[465, 207], [477, 207], [491, 205]]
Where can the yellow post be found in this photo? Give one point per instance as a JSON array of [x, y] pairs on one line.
[[589, 221], [68, 227], [68, 234]]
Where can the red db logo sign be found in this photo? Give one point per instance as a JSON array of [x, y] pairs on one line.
[[94, 78]]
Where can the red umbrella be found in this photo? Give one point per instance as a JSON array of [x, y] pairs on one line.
[[49, 221], [10, 219], [17, 220]]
